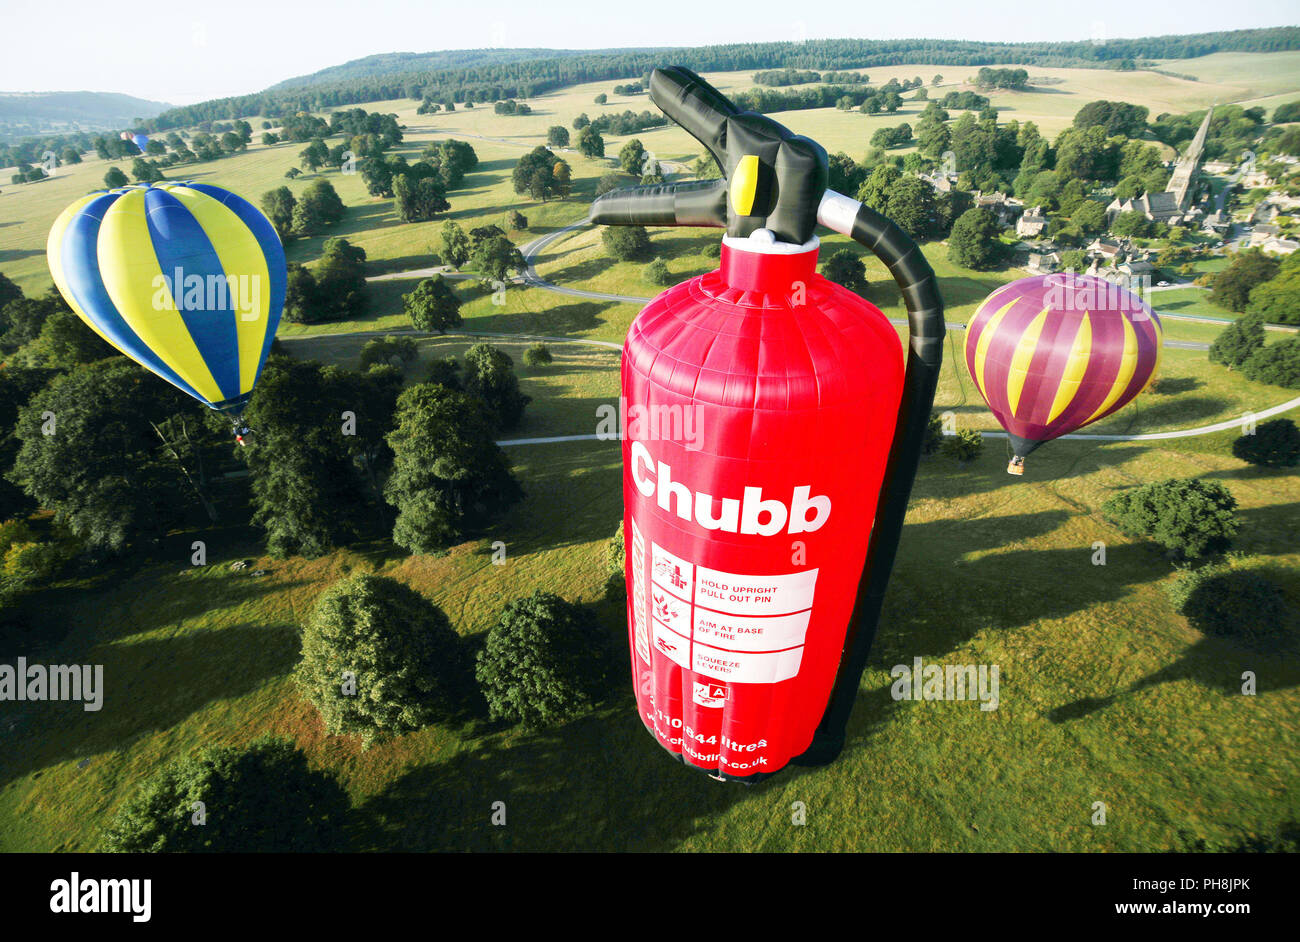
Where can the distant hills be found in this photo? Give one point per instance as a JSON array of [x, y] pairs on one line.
[[484, 75], [402, 63], [24, 114]]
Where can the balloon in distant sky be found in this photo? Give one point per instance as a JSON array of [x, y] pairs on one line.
[[125, 135], [1053, 353], [187, 279], [140, 141]]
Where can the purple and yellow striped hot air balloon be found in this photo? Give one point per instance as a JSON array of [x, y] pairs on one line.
[[1052, 353]]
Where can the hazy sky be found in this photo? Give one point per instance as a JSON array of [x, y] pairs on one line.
[[186, 51]]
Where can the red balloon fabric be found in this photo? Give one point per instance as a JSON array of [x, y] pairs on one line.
[[760, 406]]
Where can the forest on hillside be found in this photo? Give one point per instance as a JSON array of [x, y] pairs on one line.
[[494, 81]]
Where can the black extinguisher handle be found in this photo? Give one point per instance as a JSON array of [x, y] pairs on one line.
[[693, 203], [926, 330]]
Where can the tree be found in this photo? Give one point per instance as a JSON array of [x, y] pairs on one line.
[[64, 343], [419, 200], [22, 319], [490, 377], [601, 98], [845, 268], [632, 157], [445, 371], [1189, 517], [934, 139], [613, 181], [535, 174], [516, 221], [1090, 217], [628, 243], [304, 491], [145, 171], [1238, 341], [1274, 444], [495, 258], [1113, 117], [545, 661], [380, 659], [389, 350], [1278, 300], [966, 445], [115, 178], [91, 453], [1075, 260], [449, 478], [590, 143], [973, 242], [557, 135], [911, 204], [1086, 154], [1277, 364], [71, 155], [844, 175], [319, 208], [580, 122], [292, 173], [261, 798], [279, 204], [886, 138], [8, 291], [561, 180], [433, 305], [539, 354], [302, 296], [657, 273], [314, 156], [455, 245], [341, 280], [1131, 223], [1232, 286]]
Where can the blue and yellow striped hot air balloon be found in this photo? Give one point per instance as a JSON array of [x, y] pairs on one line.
[[187, 279], [1053, 353]]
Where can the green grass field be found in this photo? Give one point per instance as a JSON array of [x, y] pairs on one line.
[[1107, 694]]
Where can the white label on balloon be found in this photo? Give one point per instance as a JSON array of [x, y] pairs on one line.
[[768, 667], [755, 595], [747, 629], [738, 633]]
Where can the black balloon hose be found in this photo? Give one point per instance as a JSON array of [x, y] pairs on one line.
[[926, 329]]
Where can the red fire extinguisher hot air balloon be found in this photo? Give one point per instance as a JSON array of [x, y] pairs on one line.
[[759, 546]]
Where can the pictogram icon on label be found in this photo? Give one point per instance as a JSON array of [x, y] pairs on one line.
[[709, 695]]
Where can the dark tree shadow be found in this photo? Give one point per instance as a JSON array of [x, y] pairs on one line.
[[1215, 663], [176, 677]]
